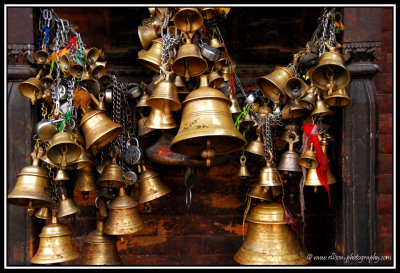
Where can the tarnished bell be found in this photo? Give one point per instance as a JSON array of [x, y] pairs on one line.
[[152, 57], [99, 248], [123, 217], [43, 213], [256, 147], [338, 97], [308, 159], [331, 72], [260, 192], [159, 119], [296, 88], [32, 88], [269, 176], [293, 110], [112, 175], [41, 55], [165, 95], [269, 239], [84, 180], [66, 206], [207, 128], [308, 100], [289, 161], [189, 62], [273, 85], [151, 186], [320, 108], [147, 35], [98, 69], [188, 19], [243, 172], [31, 187], [55, 244], [58, 142], [215, 79], [98, 129]]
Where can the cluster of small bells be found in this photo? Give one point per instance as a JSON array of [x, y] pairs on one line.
[[185, 48]]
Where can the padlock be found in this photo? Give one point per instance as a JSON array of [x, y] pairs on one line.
[[132, 154], [130, 177], [62, 91]]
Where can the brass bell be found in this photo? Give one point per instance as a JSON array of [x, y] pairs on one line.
[[31, 186], [152, 57], [180, 85], [293, 110], [112, 175], [64, 64], [66, 206], [165, 95], [215, 79], [142, 103], [188, 20], [273, 85], [296, 88], [161, 12], [339, 97], [321, 108], [60, 142], [99, 248], [82, 161], [214, 42], [264, 110], [260, 192], [331, 72], [289, 161], [189, 61], [61, 175], [312, 178], [247, 120], [269, 175], [93, 54], [41, 55], [269, 240], [147, 35], [243, 172], [75, 68], [143, 131], [256, 146], [55, 244], [84, 181], [235, 108], [308, 100], [208, 13], [223, 11], [98, 69], [159, 119], [98, 129], [48, 82], [207, 128], [31, 88], [123, 217], [43, 213], [308, 159], [151, 186], [91, 85]]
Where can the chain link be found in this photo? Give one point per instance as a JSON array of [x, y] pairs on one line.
[[271, 120]]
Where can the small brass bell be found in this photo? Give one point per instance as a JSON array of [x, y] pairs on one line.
[[75, 69], [43, 213], [260, 192], [289, 161], [142, 103], [112, 175], [308, 159], [143, 131], [64, 63], [273, 85], [321, 108], [247, 121], [93, 54], [243, 172], [61, 175], [339, 98], [31, 88], [235, 108], [308, 100], [99, 248], [312, 178], [256, 147], [97, 69], [159, 119], [180, 85], [188, 20], [82, 162], [215, 79], [208, 13], [41, 55], [223, 11], [152, 57], [264, 110], [214, 42], [151, 186], [269, 175], [48, 82], [91, 85], [66, 206], [123, 217], [55, 244]]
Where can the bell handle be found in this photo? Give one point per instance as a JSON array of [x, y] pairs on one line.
[[242, 160]]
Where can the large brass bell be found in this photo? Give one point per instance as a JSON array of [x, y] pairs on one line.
[[339, 97], [321, 108], [60, 142], [98, 129], [331, 72], [243, 172], [112, 175], [32, 88], [152, 57], [55, 244], [188, 20], [308, 159], [269, 240], [269, 175], [159, 119], [41, 55], [189, 62], [207, 128], [31, 186], [147, 35], [123, 217], [66, 206], [165, 95], [150, 186], [273, 85], [99, 248]]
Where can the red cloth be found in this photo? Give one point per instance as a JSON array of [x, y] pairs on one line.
[[72, 41], [323, 166]]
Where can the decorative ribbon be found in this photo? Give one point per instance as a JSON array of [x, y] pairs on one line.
[[67, 118], [243, 113], [72, 42], [323, 167]]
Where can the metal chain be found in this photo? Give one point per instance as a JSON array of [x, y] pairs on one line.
[[267, 134], [44, 110]]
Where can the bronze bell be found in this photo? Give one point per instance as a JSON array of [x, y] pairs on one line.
[[269, 240], [308, 100], [151, 186], [247, 120], [66, 206], [143, 131], [312, 178], [98, 129], [84, 181], [188, 20], [214, 42], [60, 142], [93, 54], [207, 128], [98, 69], [123, 217], [235, 108], [331, 72], [243, 172], [296, 88], [264, 110], [289, 161], [147, 35], [189, 62], [91, 85], [256, 147], [43, 213], [64, 63], [260, 192], [41, 55], [55, 244], [180, 85], [308, 159], [31, 186], [293, 110], [269, 176], [99, 248], [208, 13], [321, 108], [82, 161], [112, 175], [159, 119], [152, 57], [142, 103], [339, 97], [61, 175], [273, 85], [215, 79], [223, 11], [48, 82], [76, 69], [165, 95], [31, 88]]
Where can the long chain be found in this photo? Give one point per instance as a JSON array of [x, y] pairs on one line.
[[267, 134]]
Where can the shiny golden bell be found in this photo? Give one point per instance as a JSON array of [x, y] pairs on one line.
[[165, 96], [85, 180], [273, 85], [151, 186], [111, 176], [60, 142], [215, 79], [243, 172], [147, 35], [159, 119], [43, 213], [339, 98], [152, 57], [321, 108], [269, 176], [296, 88], [260, 192], [256, 147], [32, 88], [188, 20], [308, 159], [66, 206]]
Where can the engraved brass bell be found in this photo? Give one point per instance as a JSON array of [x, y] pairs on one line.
[[55, 244], [66, 206], [207, 128], [151, 186], [188, 20], [32, 88], [123, 217], [273, 85], [99, 248], [152, 57], [308, 159], [269, 240]]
